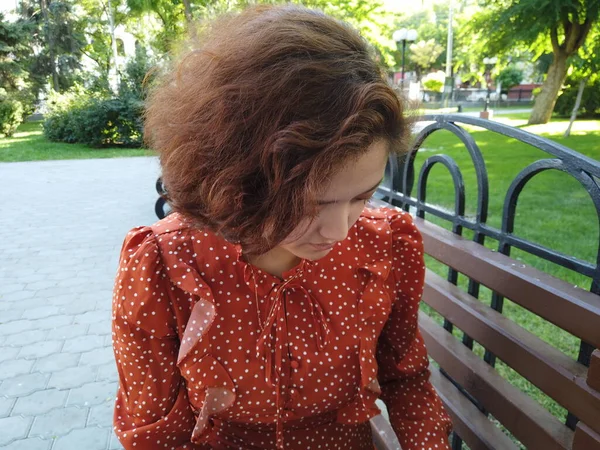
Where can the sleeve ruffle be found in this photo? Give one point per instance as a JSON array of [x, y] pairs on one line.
[[159, 404], [416, 412]]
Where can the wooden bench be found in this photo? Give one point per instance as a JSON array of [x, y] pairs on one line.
[[476, 396]]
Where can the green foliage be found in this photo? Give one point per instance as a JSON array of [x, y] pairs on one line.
[[96, 121], [425, 53], [434, 81], [590, 101], [509, 76], [11, 116], [139, 75]]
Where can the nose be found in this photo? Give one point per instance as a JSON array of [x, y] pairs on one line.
[[335, 225]]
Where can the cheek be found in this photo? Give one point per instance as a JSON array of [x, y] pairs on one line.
[[303, 230]]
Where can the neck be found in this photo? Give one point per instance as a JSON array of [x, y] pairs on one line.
[[275, 261]]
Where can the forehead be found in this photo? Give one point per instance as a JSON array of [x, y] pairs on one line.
[[359, 174]]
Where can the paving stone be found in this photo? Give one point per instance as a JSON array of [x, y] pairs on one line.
[[29, 444], [73, 377], [8, 353], [19, 296], [93, 317], [114, 443], [41, 312], [58, 361], [52, 292], [75, 309], [93, 394], [83, 344], [40, 349], [107, 372], [59, 275], [59, 422], [11, 315], [97, 357], [15, 367], [6, 405], [68, 331], [88, 438], [53, 322], [40, 402], [100, 328], [16, 326], [25, 338], [24, 384], [60, 300], [43, 284], [101, 415], [12, 428], [10, 288]]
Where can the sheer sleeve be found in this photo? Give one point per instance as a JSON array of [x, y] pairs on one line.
[[152, 409], [416, 412]]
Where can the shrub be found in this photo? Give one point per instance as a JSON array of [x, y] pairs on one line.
[[509, 77], [11, 115], [434, 81], [97, 122], [590, 101]]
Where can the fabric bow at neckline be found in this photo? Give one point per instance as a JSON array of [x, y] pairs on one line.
[[272, 341]]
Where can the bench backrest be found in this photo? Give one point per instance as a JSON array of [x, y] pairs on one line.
[[473, 383]]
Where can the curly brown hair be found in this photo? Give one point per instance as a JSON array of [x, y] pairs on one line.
[[259, 112]]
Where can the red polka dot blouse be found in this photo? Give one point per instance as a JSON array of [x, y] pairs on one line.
[[213, 352]]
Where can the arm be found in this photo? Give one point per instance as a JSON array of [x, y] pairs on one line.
[[416, 412], [152, 409]]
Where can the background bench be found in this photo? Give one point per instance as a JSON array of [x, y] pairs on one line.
[[488, 412]]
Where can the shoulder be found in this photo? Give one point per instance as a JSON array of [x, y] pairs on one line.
[[392, 239], [157, 266], [399, 225]]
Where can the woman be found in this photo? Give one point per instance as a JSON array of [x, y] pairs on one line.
[[272, 308]]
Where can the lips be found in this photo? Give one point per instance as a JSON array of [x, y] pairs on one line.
[[323, 246]]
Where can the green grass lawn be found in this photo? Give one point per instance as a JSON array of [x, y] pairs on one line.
[[29, 144], [553, 210]]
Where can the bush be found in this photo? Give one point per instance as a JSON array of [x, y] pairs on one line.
[[96, 122], [434, 81], [509, 77], [11, 116], [590, 101]]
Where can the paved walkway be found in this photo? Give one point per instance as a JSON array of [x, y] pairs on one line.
[[61, 229]]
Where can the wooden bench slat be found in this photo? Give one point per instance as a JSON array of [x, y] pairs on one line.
[[552, 371], [527, 420], [570, 308], [586, 438], [593, 378], [469, 423]]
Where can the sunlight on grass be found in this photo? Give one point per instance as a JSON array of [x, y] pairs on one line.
[[30, 144], [559, 127]]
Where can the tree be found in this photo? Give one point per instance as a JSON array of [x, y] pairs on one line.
[[59, 33], [508, 77], [424, 54], [561, 26]]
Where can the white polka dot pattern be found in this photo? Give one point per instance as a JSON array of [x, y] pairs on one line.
[[202, 366]]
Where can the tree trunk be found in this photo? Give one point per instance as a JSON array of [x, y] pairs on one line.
[[545, 101], [115, 54], [187, 11], [50, 41], [576, 107]]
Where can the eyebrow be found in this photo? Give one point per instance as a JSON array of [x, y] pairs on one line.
[[325, 202]]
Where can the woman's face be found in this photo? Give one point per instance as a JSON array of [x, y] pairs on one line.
[[340, 205]]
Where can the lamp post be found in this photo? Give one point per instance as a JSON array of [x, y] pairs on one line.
[[489, 64], [403, 36]]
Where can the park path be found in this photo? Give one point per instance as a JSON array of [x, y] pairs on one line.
[[61, 229]]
